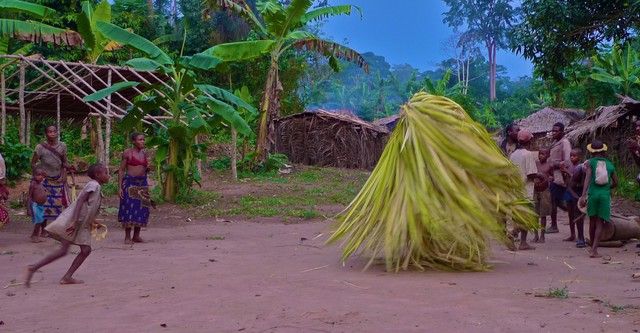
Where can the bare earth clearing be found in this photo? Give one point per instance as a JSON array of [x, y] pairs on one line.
[[251, 259]]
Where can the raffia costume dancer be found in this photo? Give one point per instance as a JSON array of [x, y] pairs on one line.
[[51, 156], [134, 189], [440, 189]]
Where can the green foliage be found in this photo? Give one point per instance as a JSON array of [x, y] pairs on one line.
[[17, 158], [195, 197], [556, 34], [220, 164], [618, 68], [110, 188], [561, 293], [194, 108]]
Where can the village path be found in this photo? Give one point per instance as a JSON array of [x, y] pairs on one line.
[[245, 276]]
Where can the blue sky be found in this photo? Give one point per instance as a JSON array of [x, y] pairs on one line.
[[405, 31]]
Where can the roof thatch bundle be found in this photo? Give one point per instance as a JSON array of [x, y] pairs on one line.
[[324, 138]]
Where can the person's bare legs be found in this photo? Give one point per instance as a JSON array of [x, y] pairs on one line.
[[599, 224], [592, 228], [85, 251], [580, 228], [572, 210], [35, 234], [543, 224], [136, 235], [59, 253], [523, 241], [44, 233], [127, 236]]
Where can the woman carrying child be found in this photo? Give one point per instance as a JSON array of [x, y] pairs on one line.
[[51, 156], [134, 189], [74, 225]]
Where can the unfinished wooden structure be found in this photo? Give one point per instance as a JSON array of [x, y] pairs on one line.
[[326, 138], [34, 87]]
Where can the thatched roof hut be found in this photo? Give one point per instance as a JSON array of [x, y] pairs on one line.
[[612, 124], [541, 122], [329, 139]]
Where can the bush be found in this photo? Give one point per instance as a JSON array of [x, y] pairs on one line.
[[17, 158]]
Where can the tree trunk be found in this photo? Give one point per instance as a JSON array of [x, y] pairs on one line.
[[466, 80], [491, 49], [269, 110], [170, 186], [100, 150]]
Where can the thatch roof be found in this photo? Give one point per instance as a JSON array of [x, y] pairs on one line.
[[543, 120], [339, 116], [386, 121], [330, 139], [604, 117]]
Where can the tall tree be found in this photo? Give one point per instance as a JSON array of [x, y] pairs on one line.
[[484, 21], [555, 34], [280, 28]]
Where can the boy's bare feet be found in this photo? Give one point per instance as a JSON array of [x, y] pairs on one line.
[[128, 241], [569, 239], [70, 281], [552, 231], [36, 239], [44, 234], [542, 239], [28, 276], [536, 239], [137, 240], [594, 255], [525, 246]]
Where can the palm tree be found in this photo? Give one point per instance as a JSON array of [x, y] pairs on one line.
[[280, 28]]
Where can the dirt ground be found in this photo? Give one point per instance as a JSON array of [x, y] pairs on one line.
[[270, 274]]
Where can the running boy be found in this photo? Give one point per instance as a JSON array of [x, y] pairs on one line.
[[541, 193], [73, 226], [36, 199], [599, 179]]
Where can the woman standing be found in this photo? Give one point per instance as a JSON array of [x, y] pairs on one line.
[[51, 156], [134, 189]]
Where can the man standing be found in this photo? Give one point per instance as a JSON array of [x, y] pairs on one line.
[[525, 160], [560, 160]]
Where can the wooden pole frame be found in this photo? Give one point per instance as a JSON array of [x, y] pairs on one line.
[[3, 107], [21, 103]]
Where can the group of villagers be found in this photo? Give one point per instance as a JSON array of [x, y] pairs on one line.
[[71, 221], [559, 177]]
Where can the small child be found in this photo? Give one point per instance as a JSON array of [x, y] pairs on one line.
[[73, 226], [36, 199], [576, 174], [542, 194], [600, 178]]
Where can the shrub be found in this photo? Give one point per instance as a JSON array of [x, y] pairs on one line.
[[17, 158]]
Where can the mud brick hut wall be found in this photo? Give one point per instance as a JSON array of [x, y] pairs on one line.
[[611, 124], [323, 138]]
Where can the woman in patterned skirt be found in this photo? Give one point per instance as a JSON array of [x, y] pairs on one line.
[[51, 156], [134, 189]]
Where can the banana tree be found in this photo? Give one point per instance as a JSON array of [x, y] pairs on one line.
[[33, 31], [618, 68], [94, 41], [280, 29], [193, 108]]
